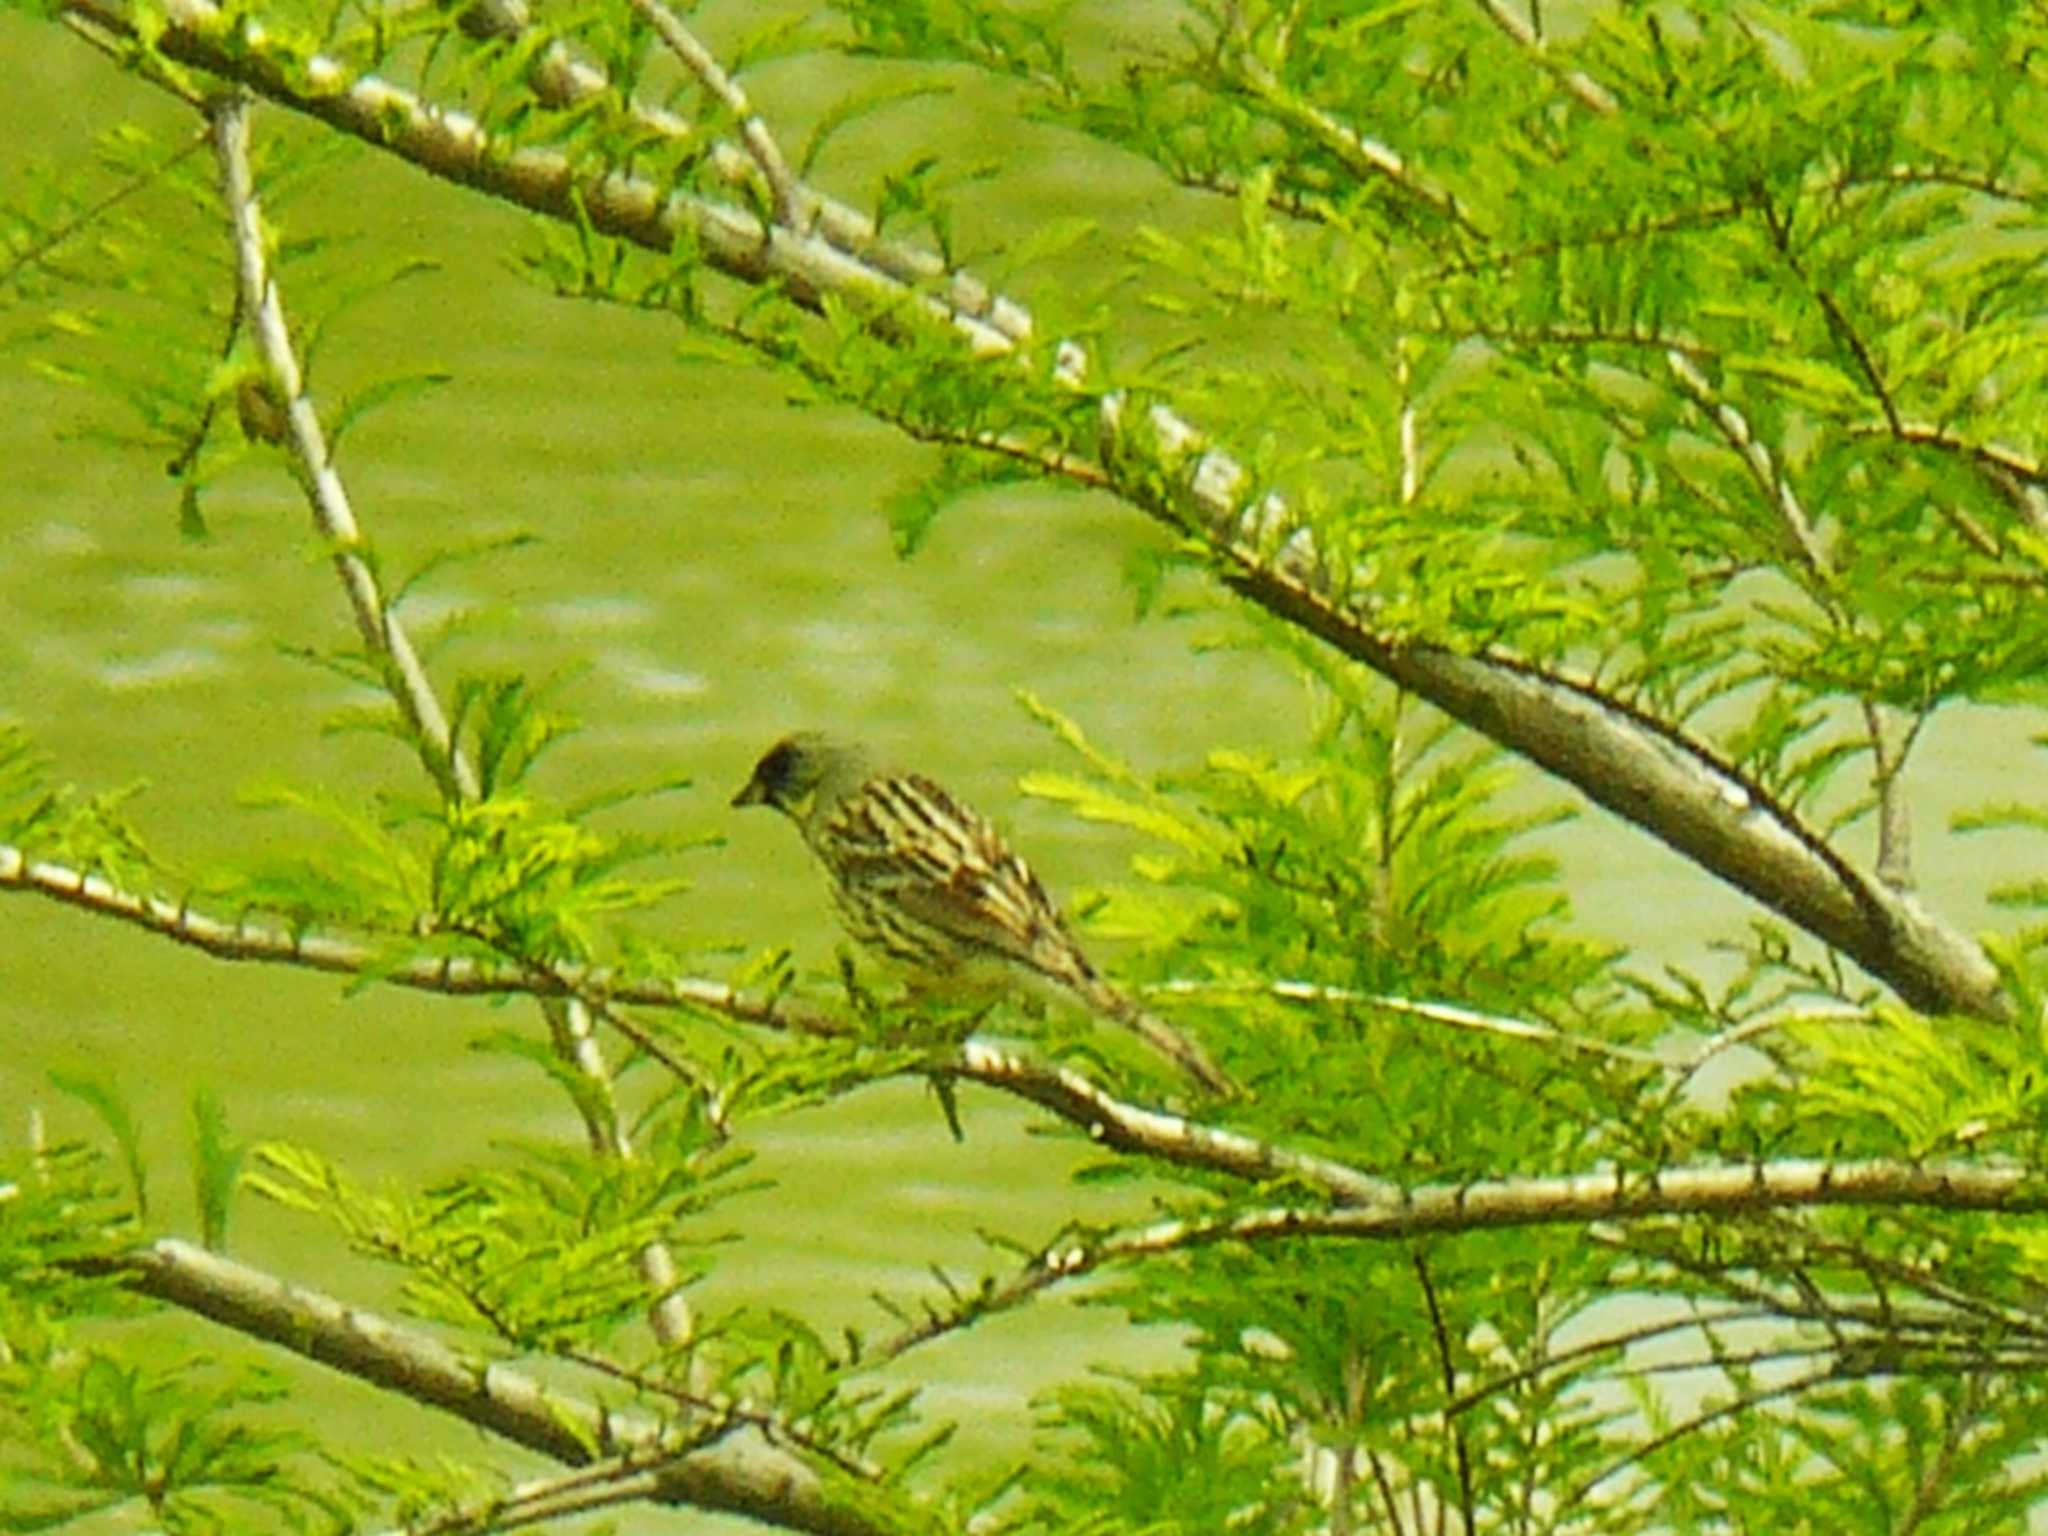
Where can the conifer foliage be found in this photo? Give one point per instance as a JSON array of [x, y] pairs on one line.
[[1624, 408]]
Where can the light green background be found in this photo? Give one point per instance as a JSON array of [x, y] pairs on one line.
[[714, 563]]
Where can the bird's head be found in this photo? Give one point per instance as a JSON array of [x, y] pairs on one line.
[[792, 774]]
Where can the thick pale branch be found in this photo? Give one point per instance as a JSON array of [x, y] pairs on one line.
[[563, 80], [1665, 785], [739, 1476], [1455, 1208], [1590, 92], [1618, 1196]]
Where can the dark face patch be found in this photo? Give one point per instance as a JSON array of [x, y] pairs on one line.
[[777, 771], [783, 776]]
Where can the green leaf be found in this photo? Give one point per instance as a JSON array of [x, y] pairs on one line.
[[217, 1160], [98, 1092]]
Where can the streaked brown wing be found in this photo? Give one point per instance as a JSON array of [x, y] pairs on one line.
[[907, 843]]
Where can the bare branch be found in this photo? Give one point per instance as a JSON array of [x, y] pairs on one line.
[[624, 1479], [1586, 1199], [1154, 1133], [1591, 93], [1448, 1365], [792, 198], [383, 636], [565, 81], [1451, 1015], [1617, 1196], [740, 1477]]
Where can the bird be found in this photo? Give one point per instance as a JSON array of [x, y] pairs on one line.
[[921, 880]]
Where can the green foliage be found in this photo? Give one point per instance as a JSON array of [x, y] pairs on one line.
[[1934, 1455], [507, 875], [1693, 354], [1290, 902], [161, 340], [541, 1251], [57, 1213], [217, 1159], [1165, 1456], [105, 1434], [98, 1092], [87, 1426], [58, 822]]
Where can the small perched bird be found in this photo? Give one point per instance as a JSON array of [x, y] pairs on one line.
[[922, 880]]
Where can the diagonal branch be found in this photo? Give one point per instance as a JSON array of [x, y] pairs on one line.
[[734, 1476], [1366, 158], [1154, 1133], [383, 636], [1111, 1121], [1591, 93], [790, 195], [570, 1025]]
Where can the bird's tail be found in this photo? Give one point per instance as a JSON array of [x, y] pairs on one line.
[[1155, 1032]]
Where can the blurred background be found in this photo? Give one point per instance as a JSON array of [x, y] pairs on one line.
[[712, 569]]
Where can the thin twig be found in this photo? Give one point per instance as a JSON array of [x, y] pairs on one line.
[[1561, 1359], [722, 1409], [383, 636], [1449, 1368], [2021, 480], [1590, 93], [793, 200], [34, 254], [1930, 1491], [1738, 1405], [1362, 156], [1450, 1014], [1776, 487], [1583, 1201], [1894, 816]]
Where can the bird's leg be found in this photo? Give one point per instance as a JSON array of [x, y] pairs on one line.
[[858, 996]]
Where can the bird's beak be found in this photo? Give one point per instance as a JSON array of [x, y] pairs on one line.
[[755, 793]]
